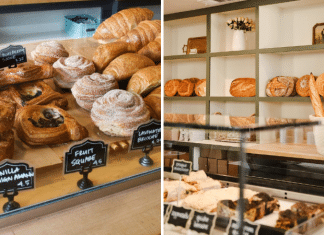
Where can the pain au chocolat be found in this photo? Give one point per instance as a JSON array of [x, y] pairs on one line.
[[37, 92], [47, 125]]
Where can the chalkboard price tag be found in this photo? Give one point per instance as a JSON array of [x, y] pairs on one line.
[[181, 167], [179, 216], [88, 153], [165, 208], [248, 228], [148, 134], [14, 174], [12, 55], [202, 222]]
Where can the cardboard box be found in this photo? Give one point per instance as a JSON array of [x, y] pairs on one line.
[[167, 162], [233, 168], [222, 167], [212, 166], [171, 134], [184, 156], [204, 152], [203, 163], [217, 154]]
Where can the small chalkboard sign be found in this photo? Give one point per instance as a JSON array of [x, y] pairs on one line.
[[179, 216], [81, 156], [248, 228], [148, 134], [16, 175], [12, 55], [181, 167], [202, 222]]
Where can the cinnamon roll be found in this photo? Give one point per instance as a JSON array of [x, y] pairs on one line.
[[47, 125], [119, 113], [48, 52], [7, 115], [6, 145], [89, 88], [37, 92], [69, 70]]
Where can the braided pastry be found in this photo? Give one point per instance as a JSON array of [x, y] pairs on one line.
[[48, 52], [144, 33], [69, 69], [91, 87], [47, 124], [119, 113], [121, 23]]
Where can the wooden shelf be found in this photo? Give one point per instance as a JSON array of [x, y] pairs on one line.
[[293, 49], [180, 98], [233, 53], [232, 99], [181, 57]]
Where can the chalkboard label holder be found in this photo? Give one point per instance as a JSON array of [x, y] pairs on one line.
[[11, 204], [146, 160], [85, 183], [12, 60]]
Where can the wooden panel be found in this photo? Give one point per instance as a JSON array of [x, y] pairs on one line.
[[20, 2]]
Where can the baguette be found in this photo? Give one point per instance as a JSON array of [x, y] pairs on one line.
[[315, 98]]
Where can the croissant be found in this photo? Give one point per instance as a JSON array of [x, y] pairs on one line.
[[144, 33], [37, 92], [124, 66], [108, 52], [153, 103], [24, 73], [47, 125], [153, 49], [145, 80], [121, 23]]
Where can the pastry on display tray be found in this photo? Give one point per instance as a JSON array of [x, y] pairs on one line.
[[48, 53], [174, 188], [153, 49]]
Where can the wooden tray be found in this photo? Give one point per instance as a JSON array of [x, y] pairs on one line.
[[199, 43]]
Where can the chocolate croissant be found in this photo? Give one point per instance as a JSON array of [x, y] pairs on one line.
[[37, 92], [47, 125], [121, 23]]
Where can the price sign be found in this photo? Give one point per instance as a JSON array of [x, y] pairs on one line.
[[14, 174], [165, 208], [179, 216], [248, 228], [12, 55], [92, 153], [202, 222], [146, 135], [181, 167]]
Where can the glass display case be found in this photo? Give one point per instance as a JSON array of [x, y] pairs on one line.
[[29, 25]]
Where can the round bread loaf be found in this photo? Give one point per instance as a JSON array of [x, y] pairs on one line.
[[200, 88], [281, 86], [186, 88], [48, 52], [243, 87], [302, 86], [171, 87]]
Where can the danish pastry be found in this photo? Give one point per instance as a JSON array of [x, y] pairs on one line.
[[119, 112], [171, 87], [145, 80], [6, 145], [48, 52], [47, 125], [91, 87], [67, 70], [124, 66], [37, 92], [7, 115], [24, 73]]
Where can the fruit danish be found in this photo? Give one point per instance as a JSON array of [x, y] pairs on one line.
[[47, 125], [37, 92], [7, 115]]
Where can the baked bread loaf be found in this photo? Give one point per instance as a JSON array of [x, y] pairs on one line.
[[200, 88], [315, 98], [37, 92], [320, 84], [108, 52], [153, 49], [153, 103], [119, 113], [171, 87], [24, 73], [7, 115], [124, 66], [281, 86], [48, 52], [121, 23], [145, 80], [145, 32], [302, 86], [243, 87], [7, 141], [186, 88], [91, 87], [67, 70], [47, 125]]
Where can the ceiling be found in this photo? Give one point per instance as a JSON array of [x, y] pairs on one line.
[[174, 6]]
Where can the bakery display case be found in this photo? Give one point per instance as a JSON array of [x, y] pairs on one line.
[[78, 98]]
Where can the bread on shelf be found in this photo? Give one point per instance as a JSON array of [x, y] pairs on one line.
[[243, 87], [171, 87], [186, 88], [281, 86], [200, 88], [302, 86]]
